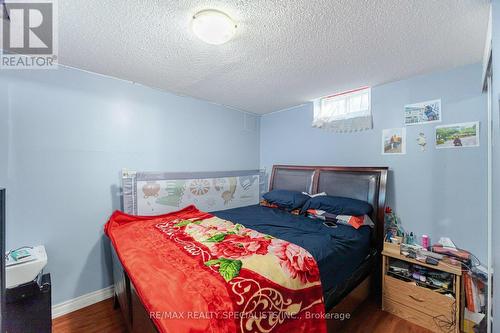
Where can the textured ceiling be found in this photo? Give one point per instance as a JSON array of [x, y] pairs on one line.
[[284, 53]]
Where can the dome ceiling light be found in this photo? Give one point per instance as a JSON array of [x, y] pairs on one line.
[[213, 26]]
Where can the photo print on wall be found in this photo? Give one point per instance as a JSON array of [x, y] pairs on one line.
[[457, 135], [423, 112], [394, 141]]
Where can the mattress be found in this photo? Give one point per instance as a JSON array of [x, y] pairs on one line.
[[190, 280], [338, 251]]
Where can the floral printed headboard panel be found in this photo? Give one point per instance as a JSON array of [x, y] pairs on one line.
[[152, 193]]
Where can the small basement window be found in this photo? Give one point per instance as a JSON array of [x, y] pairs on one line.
[[348, 111]]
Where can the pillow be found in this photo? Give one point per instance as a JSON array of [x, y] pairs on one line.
[[321, 215], [285, 199], [266, 203], [338, 205], [354, 221]]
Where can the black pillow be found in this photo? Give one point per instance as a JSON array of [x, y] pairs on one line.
[[338, 205], [289, 200]]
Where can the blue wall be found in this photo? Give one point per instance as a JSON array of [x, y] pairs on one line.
[[4, 132], [71, 134], [496, 160], [436, 192], [66, 134]]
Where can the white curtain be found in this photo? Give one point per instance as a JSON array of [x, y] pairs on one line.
[[345, 112]]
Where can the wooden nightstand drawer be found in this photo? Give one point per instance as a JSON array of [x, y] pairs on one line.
[[420, 305], [421, 299], [435, 324]]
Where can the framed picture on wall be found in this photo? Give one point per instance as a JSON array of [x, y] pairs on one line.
[[423, 112], [394, 141], [458, 135]]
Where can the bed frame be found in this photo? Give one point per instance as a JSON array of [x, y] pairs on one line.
[[363, 183]]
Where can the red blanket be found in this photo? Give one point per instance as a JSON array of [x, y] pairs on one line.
[[195, 272]]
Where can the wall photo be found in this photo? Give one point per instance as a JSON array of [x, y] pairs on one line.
[[423, 113], [457, 135], [394, 141]]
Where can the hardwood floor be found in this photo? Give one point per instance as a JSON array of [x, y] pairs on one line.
[[97, 318], [370, 318], [101, 318]]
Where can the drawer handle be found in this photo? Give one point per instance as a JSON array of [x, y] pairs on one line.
[[416, 299]]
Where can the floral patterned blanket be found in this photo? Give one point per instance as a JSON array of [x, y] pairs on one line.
[[195, 272]]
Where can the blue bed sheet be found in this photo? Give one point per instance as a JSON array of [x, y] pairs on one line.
[[338, 251]]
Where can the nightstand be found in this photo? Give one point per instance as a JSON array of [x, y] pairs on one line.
[[420, 302], [29, 307]]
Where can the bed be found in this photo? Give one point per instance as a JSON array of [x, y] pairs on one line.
[[348, 259]]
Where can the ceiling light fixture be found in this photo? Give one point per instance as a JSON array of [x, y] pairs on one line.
[[213, 26]]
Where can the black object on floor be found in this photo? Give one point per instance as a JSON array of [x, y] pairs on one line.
[[28, 308]]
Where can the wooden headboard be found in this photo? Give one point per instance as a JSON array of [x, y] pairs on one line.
[[363, 183]]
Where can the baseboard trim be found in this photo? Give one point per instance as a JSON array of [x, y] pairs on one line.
[[82, 301]]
